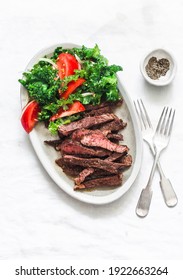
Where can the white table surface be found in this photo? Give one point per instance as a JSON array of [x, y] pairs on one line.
[[37, 219]]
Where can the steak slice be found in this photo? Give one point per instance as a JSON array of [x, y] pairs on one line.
[[78, 134], [114, 126], [111, 167], [83, 174], [53, 143], [98, 139], [87, 122], [97, 112], [69, 169], [114, 136], [113, 104], [114, 156], [126, 160], [71, 147], [89, 171], [109, 181]]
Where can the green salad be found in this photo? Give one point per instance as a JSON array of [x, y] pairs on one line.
[[59, 87]]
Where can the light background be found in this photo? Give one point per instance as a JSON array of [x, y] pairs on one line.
[[37, 219]]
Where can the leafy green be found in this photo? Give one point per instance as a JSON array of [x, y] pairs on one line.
[[67, 79], [101, 79], [53, 126], [48, 110], [92, 54], [42, 83]]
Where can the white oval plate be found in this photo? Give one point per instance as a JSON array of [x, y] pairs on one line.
[[47, 155]]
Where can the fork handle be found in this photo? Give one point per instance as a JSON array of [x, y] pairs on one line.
[[168, 192], [144, 202]]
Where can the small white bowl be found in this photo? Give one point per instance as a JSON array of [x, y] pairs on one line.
[[163, 80]]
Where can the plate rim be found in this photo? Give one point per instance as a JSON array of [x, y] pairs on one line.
[[81, 196]]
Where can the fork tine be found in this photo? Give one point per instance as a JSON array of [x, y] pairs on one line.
[[145, 111], [164, 121], [167, 123], [144, 121], [171, 124], [138, 114], [160, 121]]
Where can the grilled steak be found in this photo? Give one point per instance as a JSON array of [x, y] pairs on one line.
[[53, 143], [111, 167], [97, 139], [69, 169], [78, 134], [114, 136], [109, 181], [90, 148], [114, 126], [98, 172], [126, 160], [85, 123], [97, 112], [83, 174], [104, 104], [114, 156], [71, 147]]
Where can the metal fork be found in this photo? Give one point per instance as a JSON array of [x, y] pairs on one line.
[[168, 192], [160, 141]]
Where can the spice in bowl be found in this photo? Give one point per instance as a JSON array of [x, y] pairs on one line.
[[156, 68]]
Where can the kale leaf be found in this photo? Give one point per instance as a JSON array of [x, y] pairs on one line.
[[101, 79], [53, 126], [42, 83]]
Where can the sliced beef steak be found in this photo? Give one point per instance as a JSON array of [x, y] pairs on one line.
[[126, 160], [97, 112], [85, 123], [83, 175], [111, 167], [98, 172], [90, 148], [80, 133], [114, 126], [114, 156], [115, 137], [69, 169], [104, 104], [71, 147], [53, 143], [98, 139], [109, 181]]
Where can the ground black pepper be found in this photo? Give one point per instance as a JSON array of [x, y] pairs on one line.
[[156, 68]]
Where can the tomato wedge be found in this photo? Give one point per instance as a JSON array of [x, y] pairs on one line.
[[71, 87], [29, 115], [66, 64], [74, 108]]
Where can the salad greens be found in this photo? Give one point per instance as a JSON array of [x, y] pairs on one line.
[[44, 84], [53, 125], [41, 84]]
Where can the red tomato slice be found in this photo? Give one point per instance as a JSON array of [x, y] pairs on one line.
[[29, 115], [74, 108], [66, 63], [71, 87]]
